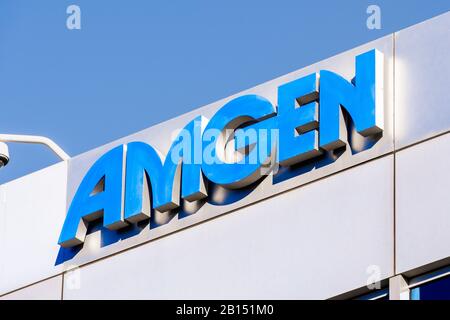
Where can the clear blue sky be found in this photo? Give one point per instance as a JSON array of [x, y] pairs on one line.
[[137, 63]]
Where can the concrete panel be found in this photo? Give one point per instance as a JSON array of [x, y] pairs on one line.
[[46, 290], [32, 210], [423, 203], [422, 68], [316, 241]]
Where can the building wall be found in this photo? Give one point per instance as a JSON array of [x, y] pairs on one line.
[[295, 245], [32, 211], [381, 212]]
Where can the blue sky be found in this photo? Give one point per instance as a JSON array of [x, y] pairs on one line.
[[136, 63]]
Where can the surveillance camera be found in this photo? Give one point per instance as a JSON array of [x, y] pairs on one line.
[[4, 154]]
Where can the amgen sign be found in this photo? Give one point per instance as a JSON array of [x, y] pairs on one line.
[[245, 140]]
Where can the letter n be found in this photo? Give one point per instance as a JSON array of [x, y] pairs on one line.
[[362, 99]]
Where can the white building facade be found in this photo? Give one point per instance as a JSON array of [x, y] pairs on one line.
[[372, 222]]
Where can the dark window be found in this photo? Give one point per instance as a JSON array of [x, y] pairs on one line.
[[438, 289]]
